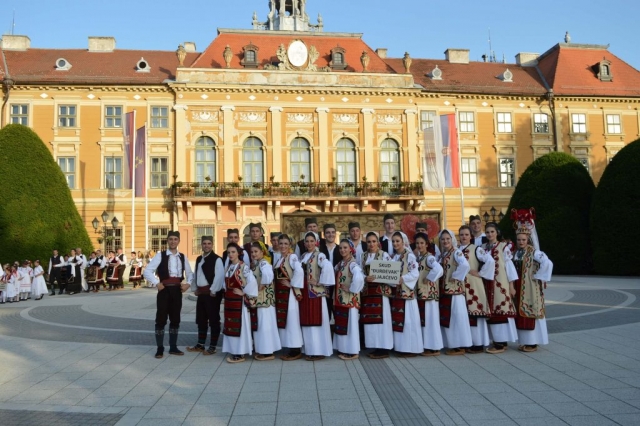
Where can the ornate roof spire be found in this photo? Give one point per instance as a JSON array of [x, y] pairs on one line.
[[287, 15]]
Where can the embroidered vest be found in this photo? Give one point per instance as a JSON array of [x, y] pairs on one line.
[[500, 302], [477, 302], [384, 289], [312, 270], [285, 272], [344, 297], [403, 291], [531, 302], [427, 290], [266, 296], [448, 284]]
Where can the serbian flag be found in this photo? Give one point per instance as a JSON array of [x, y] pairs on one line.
[[140, 159], [128, 133], [450, 153]]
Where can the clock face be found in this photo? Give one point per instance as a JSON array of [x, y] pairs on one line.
[[298, 54]]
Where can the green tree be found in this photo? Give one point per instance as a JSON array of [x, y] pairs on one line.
[[614, 215], [37, 213], [560, 189]]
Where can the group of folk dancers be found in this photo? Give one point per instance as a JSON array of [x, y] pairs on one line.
[[21, 282], [475, 295]]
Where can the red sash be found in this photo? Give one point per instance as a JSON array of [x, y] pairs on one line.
[[233, 305], [371, 305], [310, 307], [253, 313], [397, 314], [282, 296], [341, 318]]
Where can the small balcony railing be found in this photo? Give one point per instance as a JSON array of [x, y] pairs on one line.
[[296, 189]]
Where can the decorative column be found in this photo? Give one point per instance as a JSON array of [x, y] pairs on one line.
[[180, 143], [323, 144], [276, 142], [415, 164], [369, 163], [228, 131]]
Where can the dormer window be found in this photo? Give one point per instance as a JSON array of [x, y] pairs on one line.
[[604, 70], [62, 64], [143, 66], [338, 58], [250, 57]]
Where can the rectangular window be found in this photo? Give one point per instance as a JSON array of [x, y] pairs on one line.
[[113, 116], [158, 238], [200, 231], [613, 124], [584, 162], [469, 172], [507, 172], [504, 122], [112, 238], [467, 122], [68, 167], [113, 173], [426, 119], [67, 116], [19, 114], [540, 123], [579, 123], [159, 117], [159, 172]]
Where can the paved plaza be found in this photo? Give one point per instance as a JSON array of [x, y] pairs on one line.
[[88, 359]]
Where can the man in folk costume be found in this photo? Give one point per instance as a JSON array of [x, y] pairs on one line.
[[256, 234], [454, 319], [477, 236], [122, 265], [311, 225], [481, 266], [389, 223], [355, 237], [266, 339], [207, 286], [428, 295], [349, 284], [502, 321], [534, 271], [233, 236], [329, 248], [135, 272], [101, 262], [170, 271], [56, 262], [274, 250], [289, 279], [314, 313], [83, 266], [112, 271], [92, 271]]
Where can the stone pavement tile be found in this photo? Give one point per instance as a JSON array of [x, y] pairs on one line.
[[300, 386], [34, 395], [208, 397], [168, 412], [533, 387], [255, 408], [519, 411], [480, 412], [479, 378], [334, 384], [160, 422], [339, 406], [311, 419], [202, 379], [267, 377], [547, 396], [211, 409], [508, 398], [176, 399], [568, 409], [260, 386], [252, 420], [193, 390], [104, 391], [206, 421], [624, 419], [148, 390], [613, 407], [606, 383], [87, 383], [357, 418], [596, 420], [93, 401], [485, 388], [298, 407], [568, 385], [589, 395], [138, 401], [493, 422], [324, 394], [296, 395], [540, 421], [297, 367], [471, 399], [454, 389], [258, 397], [628, 394]]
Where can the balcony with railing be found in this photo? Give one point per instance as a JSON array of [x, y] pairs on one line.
[[296, 190]]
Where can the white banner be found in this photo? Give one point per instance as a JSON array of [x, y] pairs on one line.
[[433, 175]]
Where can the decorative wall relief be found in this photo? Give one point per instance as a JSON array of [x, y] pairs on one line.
[[204, 116], [345, 118], [300, 118], [389, 119], [252, 117]]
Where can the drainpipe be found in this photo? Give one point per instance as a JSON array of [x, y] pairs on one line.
[[7, 83], [552, 106]]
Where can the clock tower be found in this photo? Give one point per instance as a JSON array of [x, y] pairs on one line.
[[287, 15]]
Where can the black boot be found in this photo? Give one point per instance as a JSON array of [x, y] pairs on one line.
[[160, 343], [173, 342]]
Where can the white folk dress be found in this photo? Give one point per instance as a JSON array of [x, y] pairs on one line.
[[458, 334], [350, 344], [539, 335], [505, 332], [410, 340], [480, 332], [38, 286], [266, 339], [317, 340], [291, 335], [379, 336], [240, 345], [431, 334]]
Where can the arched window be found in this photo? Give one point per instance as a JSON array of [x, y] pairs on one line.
[[300, 160], [346, 161], [389, 160], [252, 161], [205, 159]]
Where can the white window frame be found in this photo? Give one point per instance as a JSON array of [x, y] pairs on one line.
[[427, 119], [115, 173], [578, 123], [467, 126], [541, 119], [614, 124], [157, 119], [159, 178], [66, 119], [504, 122], [113, 120], [470, 175], [502, 173], [21, 117], [70, 176], [298, 167], [158, 237]]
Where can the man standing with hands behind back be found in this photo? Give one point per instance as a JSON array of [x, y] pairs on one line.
[[173, 278]]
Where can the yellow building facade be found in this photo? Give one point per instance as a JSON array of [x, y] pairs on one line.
[[285, 118]]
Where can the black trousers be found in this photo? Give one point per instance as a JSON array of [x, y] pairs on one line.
[[169, 305], [208, 313], [55, 277], [120, 275]]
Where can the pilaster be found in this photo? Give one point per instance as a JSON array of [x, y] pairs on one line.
[[415, 163], [323, 144], [369, 152], [181, 143], [276, 141], [228, 131]]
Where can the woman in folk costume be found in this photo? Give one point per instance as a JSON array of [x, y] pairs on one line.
[[5, 275], [481, 265], [92, 271], [39, 285], [428, 295], [13, 285], [112, 271], [289, 278], [499, 290], [314, 313], [75, 281], [375, 308], [239, 284], [135, 273], [346, 310], [405, 316], [454, 319], [534, 271], [266, 339]]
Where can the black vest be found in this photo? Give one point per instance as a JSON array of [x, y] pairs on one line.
[[384, 245], [208, 267], [337, 257], [55, 260], [163, 268]]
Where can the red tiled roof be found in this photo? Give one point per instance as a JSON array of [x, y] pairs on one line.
[[117, 67], [570, 70], [268, 43], [474, 77]]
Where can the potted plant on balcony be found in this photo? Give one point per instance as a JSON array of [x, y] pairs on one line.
[[206, 191], [195, 185]]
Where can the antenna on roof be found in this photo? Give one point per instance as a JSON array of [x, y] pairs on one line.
[[13, 23], [492, 54]]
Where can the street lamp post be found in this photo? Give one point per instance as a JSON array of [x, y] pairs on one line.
[[495, 214]]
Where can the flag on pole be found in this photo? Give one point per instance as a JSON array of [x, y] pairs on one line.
[[140, 159], [450, 153], [442, 162], [128, 133]]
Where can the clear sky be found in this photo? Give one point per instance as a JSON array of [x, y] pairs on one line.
[[423, 28]]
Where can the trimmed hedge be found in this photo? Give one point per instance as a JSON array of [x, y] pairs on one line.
[[615, 212], [37, 213], [560, 189]]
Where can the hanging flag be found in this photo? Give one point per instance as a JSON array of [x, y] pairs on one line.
[[140, 159], [433, 170], [128, 133], [450, 153]]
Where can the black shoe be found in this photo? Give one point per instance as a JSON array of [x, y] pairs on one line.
[[175, 351], [159, 353]]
